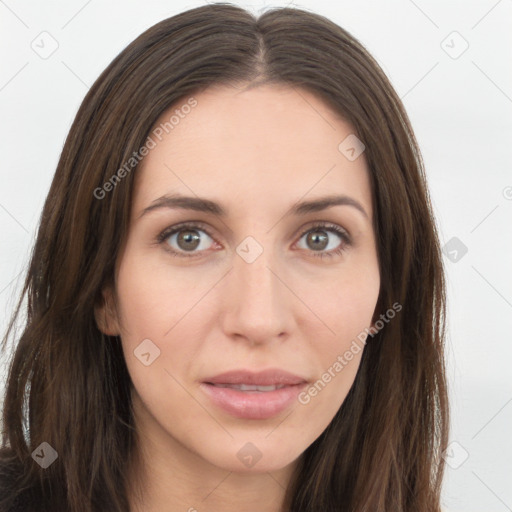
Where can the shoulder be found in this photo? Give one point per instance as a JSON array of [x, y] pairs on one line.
[[13, 496]]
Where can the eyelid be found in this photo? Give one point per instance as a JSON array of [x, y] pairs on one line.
[[185, 224], [328, 226]]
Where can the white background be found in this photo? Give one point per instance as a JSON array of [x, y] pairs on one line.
[[460, 108]]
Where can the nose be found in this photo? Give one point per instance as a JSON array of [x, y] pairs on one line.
[[257, 305]]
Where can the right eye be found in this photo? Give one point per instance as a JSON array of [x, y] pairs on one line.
[[183, 239]]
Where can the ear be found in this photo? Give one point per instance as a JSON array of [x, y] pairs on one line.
[[105, 314]]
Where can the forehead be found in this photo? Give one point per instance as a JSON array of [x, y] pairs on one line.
[[258, 145]]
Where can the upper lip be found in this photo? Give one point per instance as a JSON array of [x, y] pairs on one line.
[[269, 377]]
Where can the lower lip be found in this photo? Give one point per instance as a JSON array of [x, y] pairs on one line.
[[259, 405]]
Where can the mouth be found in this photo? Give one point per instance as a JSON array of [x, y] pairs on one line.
[[252, 402], [268, 377], [255, 396], [248, 387]]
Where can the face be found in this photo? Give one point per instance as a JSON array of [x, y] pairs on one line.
[[263, 286]]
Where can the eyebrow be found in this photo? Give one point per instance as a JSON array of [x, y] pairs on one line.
[[199, 204]]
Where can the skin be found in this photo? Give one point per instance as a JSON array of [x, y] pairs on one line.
[[256, 152]]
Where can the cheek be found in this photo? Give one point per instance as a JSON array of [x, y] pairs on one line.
[[156, 304], [148, 297], [345, 307], [351, 308], [345, 303]]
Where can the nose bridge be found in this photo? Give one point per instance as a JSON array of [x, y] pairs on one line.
[[255, 277]]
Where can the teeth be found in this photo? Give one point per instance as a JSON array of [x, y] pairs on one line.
[[249, 387]]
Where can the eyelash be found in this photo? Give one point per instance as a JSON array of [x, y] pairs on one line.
[[321, 226]]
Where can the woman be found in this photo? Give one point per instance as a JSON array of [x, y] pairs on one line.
[[236, 296]]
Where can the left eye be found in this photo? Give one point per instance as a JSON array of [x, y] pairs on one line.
[[319, 240]]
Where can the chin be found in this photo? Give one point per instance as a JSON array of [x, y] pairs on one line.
[[254, 456]]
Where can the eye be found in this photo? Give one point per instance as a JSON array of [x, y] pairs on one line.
[[185, 238], [319, 241]]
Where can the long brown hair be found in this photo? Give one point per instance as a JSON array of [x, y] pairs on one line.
[[383, 449]]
